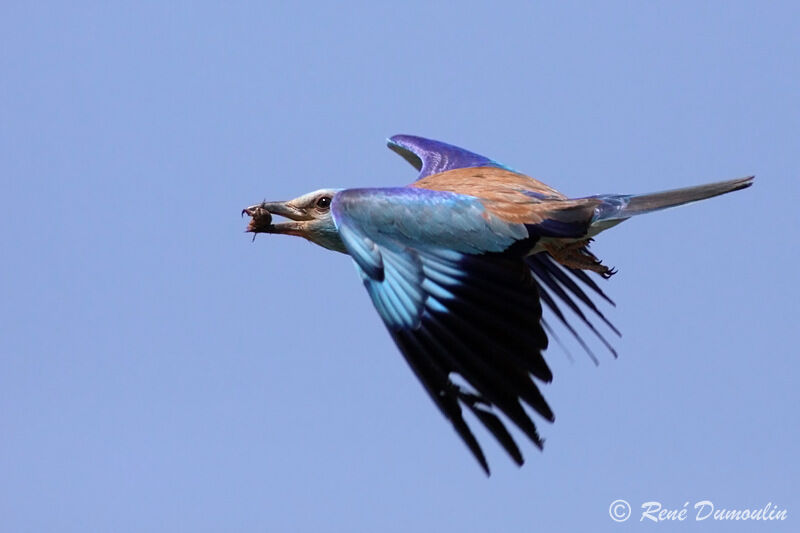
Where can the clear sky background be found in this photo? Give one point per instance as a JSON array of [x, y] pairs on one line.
[[160, 372]]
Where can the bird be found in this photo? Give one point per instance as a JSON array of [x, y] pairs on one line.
[[461, 263]]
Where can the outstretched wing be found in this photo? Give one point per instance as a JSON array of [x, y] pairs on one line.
[[445, 167], [450, 280], [454, 303], [432, 157]]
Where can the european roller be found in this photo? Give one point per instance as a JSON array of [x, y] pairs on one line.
[[459, 265]]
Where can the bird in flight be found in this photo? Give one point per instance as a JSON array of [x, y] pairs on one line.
[[459, 263]]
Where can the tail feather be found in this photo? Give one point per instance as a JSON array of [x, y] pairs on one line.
[[617, 207]]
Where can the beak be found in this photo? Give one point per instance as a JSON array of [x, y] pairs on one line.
[[261, 214]]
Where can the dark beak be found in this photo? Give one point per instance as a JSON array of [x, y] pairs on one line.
[[261, 217]]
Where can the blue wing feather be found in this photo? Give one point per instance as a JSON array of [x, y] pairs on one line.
[[432, 157], [363, 251], [413, 217]]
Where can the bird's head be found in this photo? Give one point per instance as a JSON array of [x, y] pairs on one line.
[[309, 217]]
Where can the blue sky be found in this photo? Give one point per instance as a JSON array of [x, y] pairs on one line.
[[160, 372]]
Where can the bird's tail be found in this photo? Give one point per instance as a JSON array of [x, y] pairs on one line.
[[618, 207]]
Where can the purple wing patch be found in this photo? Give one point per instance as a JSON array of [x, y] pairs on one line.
[[432, 157]]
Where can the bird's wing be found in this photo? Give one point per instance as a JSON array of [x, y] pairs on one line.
[[432, 157], [438, 269], [445, 167]]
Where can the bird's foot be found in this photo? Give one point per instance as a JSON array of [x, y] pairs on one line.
[[577, 255]]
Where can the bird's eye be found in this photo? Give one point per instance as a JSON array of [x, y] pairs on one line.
[[324, 202]]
